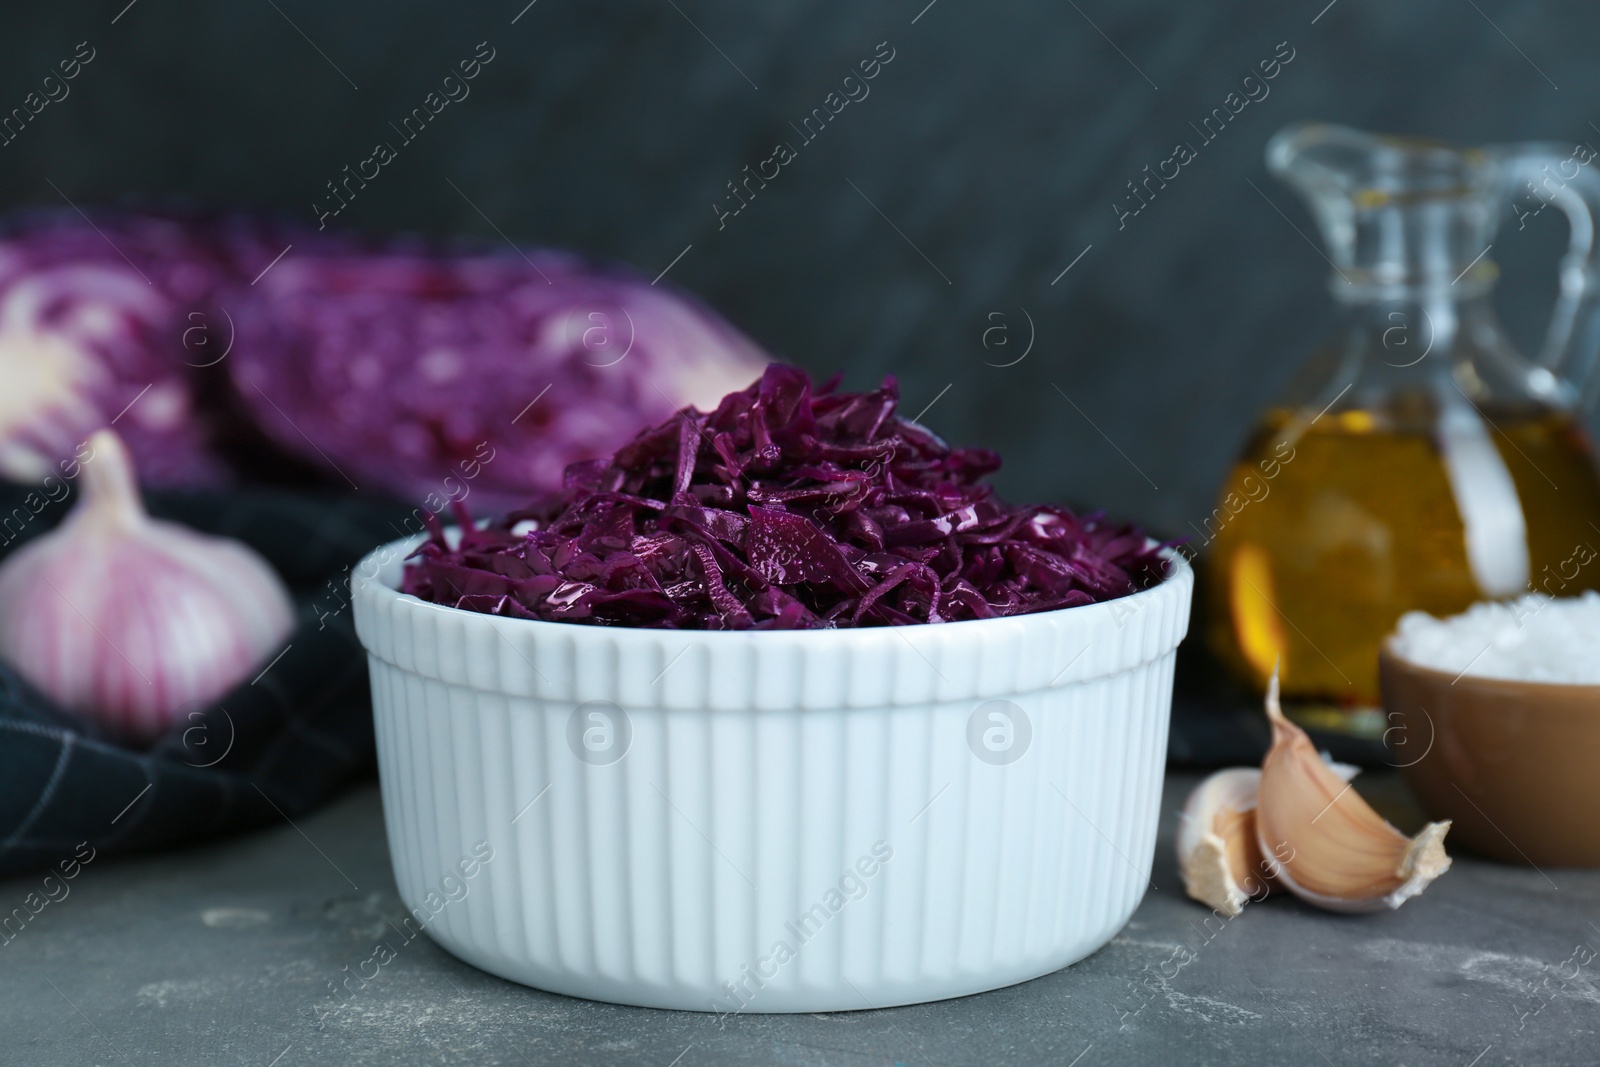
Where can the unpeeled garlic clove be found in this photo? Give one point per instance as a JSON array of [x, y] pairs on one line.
[[1322, 842], [1218, 854]]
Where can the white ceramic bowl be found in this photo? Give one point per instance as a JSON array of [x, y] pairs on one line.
[[770, 822]]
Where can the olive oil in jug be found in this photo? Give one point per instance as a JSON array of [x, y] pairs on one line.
[[1424, 464]]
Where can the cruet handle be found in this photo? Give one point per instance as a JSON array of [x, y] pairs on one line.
[[1538, 175]]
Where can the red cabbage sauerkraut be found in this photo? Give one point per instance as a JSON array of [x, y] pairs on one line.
[[787, 507]]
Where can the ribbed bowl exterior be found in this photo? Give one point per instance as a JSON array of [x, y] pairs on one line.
[[770, 822]]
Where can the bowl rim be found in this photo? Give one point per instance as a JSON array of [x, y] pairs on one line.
[[1387, 653], [366, 579]]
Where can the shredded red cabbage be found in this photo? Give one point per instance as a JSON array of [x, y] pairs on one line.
[[787, 507]]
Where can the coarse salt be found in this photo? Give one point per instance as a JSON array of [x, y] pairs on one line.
[[1534, 638]]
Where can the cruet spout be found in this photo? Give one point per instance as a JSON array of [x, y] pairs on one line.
[[1398, 214]]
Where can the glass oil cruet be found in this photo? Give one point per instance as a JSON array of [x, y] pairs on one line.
[[1420, 462]]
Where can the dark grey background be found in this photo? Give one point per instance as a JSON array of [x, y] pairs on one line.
[[996, 140]]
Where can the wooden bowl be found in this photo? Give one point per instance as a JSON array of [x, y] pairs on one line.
[[1515, 765]]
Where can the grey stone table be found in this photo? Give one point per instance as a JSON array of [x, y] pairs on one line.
[[223, 955]]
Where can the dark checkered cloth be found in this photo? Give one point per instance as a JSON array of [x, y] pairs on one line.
[[271, 750]]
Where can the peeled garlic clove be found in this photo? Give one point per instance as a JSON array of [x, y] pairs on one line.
[[1323, 842], [131, 620], [1221, 862]]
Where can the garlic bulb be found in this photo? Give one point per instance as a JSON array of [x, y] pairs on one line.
[[1322, 842], [1217, 851], [131, 620]]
